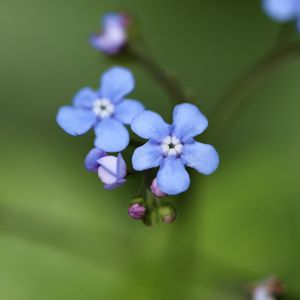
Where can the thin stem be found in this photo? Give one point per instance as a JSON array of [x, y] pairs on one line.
[[174, 90], [135, 143], [233, 100], [132, 173]]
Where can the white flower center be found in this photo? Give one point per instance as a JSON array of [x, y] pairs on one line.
[[171, 146], [103, 108]]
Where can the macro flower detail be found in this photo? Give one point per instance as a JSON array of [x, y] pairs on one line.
[[172, 147], [113, 37], [112, 171], [283, 10], [105, 110]]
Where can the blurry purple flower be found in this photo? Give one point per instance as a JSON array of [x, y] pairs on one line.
[[112, 171], [105, 109], [283, 10], [91, 160], [155, 189], [136, 211], [172, 147], [113, 37]]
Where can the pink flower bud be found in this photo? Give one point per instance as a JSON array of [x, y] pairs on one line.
[[156, 190], [136, 211]]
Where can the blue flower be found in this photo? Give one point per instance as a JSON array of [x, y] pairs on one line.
[[106, 110], [114, 34], [172, 147], [283, 10]]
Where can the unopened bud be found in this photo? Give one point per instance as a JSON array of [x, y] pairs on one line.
[[156, 190], [136, 211], [167, 214]]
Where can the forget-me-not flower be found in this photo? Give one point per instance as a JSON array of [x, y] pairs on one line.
[[113, 37], [172, 147], [105, 110], [283, 10]]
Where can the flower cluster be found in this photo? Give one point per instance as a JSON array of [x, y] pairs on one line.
[[170, 147], [283, 10]]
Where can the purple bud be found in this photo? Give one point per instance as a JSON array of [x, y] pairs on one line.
[[156, 190], [136, 211], [91, 160], [112, 171], [114, 34]]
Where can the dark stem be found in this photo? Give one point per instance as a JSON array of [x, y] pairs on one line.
[[232, 101], [170, 84], [135, 143]]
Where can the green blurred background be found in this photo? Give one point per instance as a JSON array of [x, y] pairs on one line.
[[63, 237]]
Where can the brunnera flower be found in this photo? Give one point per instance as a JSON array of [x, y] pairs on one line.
[[106, 110], [283, 10], [172, 147]]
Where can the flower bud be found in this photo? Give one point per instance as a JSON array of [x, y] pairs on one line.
[[156, 190], [136, 211], [167, 214], [114, 35], [112, 171], [91, 160]]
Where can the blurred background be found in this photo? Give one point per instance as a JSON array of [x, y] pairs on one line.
[[63, 237]]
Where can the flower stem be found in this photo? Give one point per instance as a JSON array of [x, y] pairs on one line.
[[170, 84], [234, 99]]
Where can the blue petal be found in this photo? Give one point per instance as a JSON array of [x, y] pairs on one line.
[[85, 98], [147, 156], [75, 121], [121, 167], [202, 157], [281, 10], [172, 177], [127, 110], [114, 185], [150, 125], [116, 83], [188, 121], [111, 136], [91, 160]]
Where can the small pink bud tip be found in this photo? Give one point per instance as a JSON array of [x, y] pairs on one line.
[[156, 190], [167, 214]]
